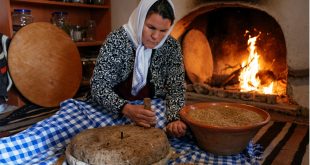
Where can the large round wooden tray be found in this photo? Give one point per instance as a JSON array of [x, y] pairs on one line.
[[198, 60], [44, 64]]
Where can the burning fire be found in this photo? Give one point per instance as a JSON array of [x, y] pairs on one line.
[[249, 81]]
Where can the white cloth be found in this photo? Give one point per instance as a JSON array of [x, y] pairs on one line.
[[134, 29], [4, 43]]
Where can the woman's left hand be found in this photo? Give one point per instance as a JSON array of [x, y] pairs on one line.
[[176, 128]]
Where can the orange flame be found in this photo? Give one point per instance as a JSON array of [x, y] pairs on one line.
[[248, 79]]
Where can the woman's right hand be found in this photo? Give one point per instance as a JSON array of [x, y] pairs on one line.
[[139, 115]]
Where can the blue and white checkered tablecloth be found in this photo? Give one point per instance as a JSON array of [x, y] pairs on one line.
[[45, 142]]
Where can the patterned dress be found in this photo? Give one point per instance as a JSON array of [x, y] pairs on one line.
[[115, 64]]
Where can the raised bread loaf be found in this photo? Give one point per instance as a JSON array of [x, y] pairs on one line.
[[119, 145]]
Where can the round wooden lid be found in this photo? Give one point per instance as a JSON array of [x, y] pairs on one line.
[[198, 60], [44, 64]]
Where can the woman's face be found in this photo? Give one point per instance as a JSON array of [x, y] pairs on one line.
[[154, 30]]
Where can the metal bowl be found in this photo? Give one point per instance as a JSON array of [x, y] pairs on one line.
[[223, 140]]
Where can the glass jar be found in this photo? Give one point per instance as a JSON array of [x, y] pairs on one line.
[[88, 67], [89, 1], [76, 33], [21, 18], [60, 19], [90, 30], [99, 2]]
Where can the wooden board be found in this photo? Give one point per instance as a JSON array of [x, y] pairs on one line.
[[198, 60], [44, 64]]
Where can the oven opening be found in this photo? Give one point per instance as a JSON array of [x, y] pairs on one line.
[[237, 53]]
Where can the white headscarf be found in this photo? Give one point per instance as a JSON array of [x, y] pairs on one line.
[[134, 29]]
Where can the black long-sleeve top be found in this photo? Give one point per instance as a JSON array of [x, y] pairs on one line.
[[115, 64]]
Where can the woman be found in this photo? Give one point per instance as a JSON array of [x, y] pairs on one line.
[[141, 60], [136, 61]]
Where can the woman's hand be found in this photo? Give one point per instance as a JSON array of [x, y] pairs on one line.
[[139, 115], [176, 128]]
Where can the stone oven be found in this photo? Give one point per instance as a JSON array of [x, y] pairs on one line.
[[253, 52]]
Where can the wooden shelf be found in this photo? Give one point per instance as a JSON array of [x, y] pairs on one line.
[[92, 43], [59, 3]]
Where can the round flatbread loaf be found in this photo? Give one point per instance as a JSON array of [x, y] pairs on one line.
[[198, 60], [119, 145]]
